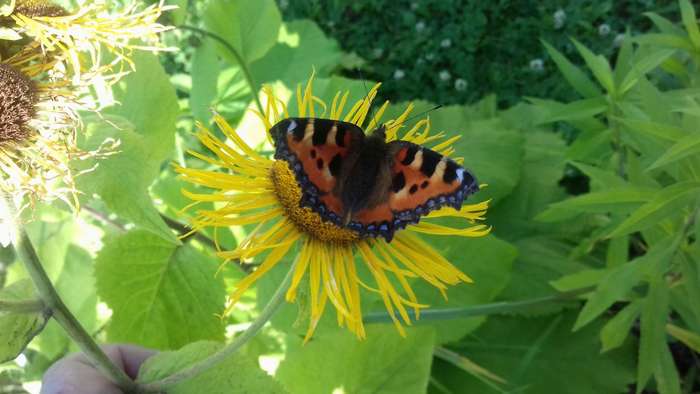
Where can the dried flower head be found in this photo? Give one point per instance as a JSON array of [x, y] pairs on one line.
[[79, 38]]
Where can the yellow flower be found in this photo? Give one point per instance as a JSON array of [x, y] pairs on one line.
[[253, 189], [90, 30], [38, 121]]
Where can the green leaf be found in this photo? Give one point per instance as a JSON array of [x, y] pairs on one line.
[[251, 27], [615, 200], [663, 24], [618, 251], [162, 295], [144, 122], [205, 74], [659, 131], [542, 167], [383, 362], [665, 40], [304, 47], [686, 147], [538, 355], [619, 280], [690, 21], [617, 329], [601, 179], [18, 328], [579, 279], [653, 334], [664, 204], [623, 62], [642, 66], [541, 260], [576, 78], [580, 109], [599, 66], [689, 338], [666, 374], [613, 287], [238, 374]]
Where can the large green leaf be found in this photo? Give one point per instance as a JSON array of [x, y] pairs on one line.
[[251, 27], [382, 363], [205, 74], [162, 295], [18, 328], [542, 168], [144, 123], [668, 202], [541, 259], [303, 47], [540, 355], [238, 374]]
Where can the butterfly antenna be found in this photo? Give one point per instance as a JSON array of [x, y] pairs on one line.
[[423, 113], [364, 84]]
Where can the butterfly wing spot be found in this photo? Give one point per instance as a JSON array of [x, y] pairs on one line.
[[429, 162], [413, 189], [398, 182], [424, 184], [313, 153], [319, 163], [335, 165]]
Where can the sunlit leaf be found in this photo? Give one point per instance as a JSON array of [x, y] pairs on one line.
[[238, 374], [162, 295], [18, 328]]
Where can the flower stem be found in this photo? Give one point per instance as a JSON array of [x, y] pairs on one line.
[[210, 362], [484, 309], [239, 58], [53, 301], [22, 306]]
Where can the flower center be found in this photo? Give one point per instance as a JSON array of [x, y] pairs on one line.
[[289, 195], [17, 99], [32, 8]]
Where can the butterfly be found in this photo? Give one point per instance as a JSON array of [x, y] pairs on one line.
[[364, 183]]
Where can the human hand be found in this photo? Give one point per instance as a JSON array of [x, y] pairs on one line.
[[75, 374]]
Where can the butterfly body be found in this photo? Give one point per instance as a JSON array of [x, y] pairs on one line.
[[364, 183]]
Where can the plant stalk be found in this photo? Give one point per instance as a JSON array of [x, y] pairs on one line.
[[60, 311], [210, 362], [239, 58], [482, 310]]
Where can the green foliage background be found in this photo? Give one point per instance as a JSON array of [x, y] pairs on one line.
[[593, 166]]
